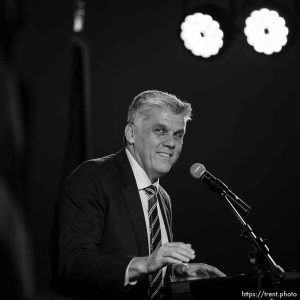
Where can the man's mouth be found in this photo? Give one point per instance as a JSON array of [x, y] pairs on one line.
[[166, 155]]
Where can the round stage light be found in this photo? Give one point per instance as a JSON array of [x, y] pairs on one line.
[[266, 31], [202, 35]]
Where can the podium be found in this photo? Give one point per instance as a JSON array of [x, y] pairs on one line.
[[243, 286]]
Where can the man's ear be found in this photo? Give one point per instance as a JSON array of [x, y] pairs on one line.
[[129, 133]]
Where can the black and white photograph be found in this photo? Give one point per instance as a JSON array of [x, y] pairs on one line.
[[149, 149]]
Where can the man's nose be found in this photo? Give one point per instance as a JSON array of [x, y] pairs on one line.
[[169, 141]]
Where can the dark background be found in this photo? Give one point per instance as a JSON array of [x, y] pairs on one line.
[[245, 126]]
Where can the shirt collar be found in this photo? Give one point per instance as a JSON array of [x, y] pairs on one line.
[[141, 178]]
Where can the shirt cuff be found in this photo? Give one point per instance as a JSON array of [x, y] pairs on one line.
[[127, 276]]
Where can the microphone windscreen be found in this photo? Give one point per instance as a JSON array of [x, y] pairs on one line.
[[197, 170]]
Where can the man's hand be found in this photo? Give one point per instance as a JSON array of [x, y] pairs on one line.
[[197, 271], [168, 253]]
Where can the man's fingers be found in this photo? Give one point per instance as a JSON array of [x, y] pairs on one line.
[[179, 245], [175, 251], [207, 271], [213, 271], [180, 248], [171, 260], [190, 253], [177, 255], [170, 253], [216, 272], [184, 270]]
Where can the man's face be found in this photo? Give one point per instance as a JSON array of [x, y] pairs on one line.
[[158, 141]]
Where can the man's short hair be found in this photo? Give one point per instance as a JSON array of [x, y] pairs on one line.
[[146, 100]]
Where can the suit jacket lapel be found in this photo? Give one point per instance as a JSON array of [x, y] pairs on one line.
[[135, 210], [133, 201]]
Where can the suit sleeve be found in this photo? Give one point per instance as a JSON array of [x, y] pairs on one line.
[[80, 222]]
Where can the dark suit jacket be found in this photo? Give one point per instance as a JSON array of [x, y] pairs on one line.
[[99, 227]]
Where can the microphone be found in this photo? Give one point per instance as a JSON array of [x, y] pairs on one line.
[[199, 171]]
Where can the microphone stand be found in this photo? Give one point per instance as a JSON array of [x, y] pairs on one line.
[[261, 251]]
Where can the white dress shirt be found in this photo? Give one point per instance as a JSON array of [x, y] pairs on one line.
[[143, 181]]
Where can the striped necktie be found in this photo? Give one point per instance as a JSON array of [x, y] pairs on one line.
[[156, 279]]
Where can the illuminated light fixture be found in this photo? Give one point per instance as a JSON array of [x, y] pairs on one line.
[[266, 31], [202, 35], [79, 14]]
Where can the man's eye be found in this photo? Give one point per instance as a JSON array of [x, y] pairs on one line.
[[179, 136], [159, 131]]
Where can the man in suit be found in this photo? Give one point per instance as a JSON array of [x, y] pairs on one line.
[[114, 221]]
